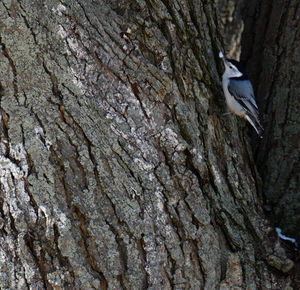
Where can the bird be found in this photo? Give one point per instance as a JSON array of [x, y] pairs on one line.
[[239, 93]]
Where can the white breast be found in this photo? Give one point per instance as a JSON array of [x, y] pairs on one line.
[[232, 104]]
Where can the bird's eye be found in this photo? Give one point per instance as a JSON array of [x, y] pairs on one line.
[[231, 66]]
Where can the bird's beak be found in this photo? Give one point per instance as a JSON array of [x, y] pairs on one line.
[[222, 56]]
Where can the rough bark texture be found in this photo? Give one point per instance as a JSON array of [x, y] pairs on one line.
[[271, 43], [117, 167], [231, 18], [270, 46]]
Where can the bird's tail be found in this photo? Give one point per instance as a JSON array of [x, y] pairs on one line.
[[255, 124]]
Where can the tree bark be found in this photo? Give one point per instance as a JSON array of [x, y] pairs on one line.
[[271, 48], [231, 18], [118, 170]]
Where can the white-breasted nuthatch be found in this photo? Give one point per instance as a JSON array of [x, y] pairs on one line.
[[239, 93]]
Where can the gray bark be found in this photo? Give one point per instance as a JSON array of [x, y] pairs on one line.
[[271, 48], [118, 170], [231, 18]]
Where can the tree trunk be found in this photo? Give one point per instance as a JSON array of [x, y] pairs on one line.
[[231, 15], [271, 45], [117, 167]]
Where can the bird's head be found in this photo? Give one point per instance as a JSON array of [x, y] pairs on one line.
[[233, 68]]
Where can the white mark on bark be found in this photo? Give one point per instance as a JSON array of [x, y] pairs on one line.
[[19, 154], [134, 193], [12, 173], [198, 156], [59, 9], [46, 212], [62, 32], [160, 204], [216, 174], [118, 132], [76, 79], [40, 134], [169, 138], [153, 250], [75, 47], [143, 165]]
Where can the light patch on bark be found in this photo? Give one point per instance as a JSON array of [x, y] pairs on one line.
[[72, 47], [169, 139], [198, 156], [40, 134], [12, 176], [118, 132], [165, 64], [160, 204], [59, 9], [154, 249], [216, 174], [143, 165], [76, 48], [7, 167], [19, 154], [76, 79], [62, 32]]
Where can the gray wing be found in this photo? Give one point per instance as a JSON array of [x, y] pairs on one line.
[[242, 91]]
